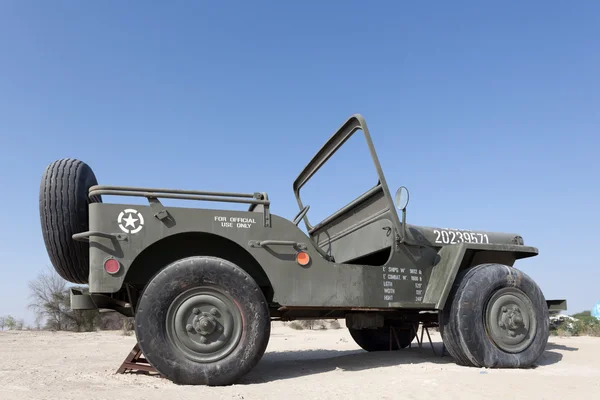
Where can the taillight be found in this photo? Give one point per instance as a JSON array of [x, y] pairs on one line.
[[112, 266]]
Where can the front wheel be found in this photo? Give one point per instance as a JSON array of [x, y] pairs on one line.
[[495, 317], [202, 320]]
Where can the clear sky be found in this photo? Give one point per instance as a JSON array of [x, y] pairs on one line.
[[488, 113]]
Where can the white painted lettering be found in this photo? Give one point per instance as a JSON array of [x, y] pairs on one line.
[[452, 236], [238, 222], [242, 220]]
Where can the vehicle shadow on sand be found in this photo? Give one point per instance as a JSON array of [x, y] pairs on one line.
[[548, 358], [552, 357], [555, 346], [293, 364]]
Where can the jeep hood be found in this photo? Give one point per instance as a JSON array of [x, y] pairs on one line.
[[445, 236]]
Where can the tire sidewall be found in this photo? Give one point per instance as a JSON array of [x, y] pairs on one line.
[[448, 321], [186, 274], [471, 302]]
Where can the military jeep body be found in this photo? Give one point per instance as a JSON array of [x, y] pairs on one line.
[[203, 285]]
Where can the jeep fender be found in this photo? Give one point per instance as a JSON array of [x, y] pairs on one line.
[[455, 257]]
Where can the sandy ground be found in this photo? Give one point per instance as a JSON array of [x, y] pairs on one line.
[[297, 365]]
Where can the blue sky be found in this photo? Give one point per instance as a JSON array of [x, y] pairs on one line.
[[488, 113]]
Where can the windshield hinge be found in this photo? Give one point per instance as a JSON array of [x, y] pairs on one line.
[[159, 210]]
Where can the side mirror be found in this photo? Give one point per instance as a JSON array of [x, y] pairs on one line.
[[402, 198], [401, 203]]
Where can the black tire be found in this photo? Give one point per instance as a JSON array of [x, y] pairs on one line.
[[379, 339], [174, 327], [63, 205], [448, 334], [495, 317]]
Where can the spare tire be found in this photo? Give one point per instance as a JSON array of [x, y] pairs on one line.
[[63, 212]]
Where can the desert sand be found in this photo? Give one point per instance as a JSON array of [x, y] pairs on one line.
[[308, 364]]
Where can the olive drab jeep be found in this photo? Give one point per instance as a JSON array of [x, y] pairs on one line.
[[204, 285]]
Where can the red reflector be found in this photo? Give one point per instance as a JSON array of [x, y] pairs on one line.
[[112, 266], [302, 258]]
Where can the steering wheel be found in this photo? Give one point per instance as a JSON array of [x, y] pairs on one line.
[[300, 215]]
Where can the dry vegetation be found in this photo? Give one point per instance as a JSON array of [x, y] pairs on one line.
[[50, 302], [313, 324], [580, 324]]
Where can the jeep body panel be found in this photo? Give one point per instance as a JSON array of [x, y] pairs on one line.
[[361, 256], [402, 281], [319, 284]]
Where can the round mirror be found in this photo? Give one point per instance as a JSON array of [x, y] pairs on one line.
[[402, 198]]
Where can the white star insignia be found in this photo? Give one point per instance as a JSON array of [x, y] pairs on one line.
[[129, 221]]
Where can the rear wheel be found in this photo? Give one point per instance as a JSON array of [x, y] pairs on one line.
[[378, 339], [203, 320], [495, 317]]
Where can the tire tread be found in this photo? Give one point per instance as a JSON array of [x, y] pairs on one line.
[[63, 206]]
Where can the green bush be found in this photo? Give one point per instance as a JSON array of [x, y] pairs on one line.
[[583, 325]]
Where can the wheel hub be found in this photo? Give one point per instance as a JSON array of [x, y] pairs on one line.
[[204, 324], [510, 320]]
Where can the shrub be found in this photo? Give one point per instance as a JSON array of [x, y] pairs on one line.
[[296, 325], [580, 324], [314, 324]]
